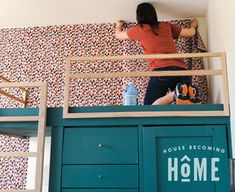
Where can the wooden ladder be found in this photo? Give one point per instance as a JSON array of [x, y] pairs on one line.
[[41, 119]]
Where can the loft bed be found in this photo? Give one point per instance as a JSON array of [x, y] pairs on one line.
[[134, 111], [139, 111], [33, 121]]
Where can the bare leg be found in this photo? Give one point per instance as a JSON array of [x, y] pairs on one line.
[[165, 100]]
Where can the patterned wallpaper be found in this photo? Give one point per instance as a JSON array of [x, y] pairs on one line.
[[38, 54], [13, 171]]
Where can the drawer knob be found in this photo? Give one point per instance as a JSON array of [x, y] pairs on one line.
[[100, 176], [100, 145]]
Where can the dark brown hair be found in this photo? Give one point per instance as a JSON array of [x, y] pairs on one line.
[[146, 14]]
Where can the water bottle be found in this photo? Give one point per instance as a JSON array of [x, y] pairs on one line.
[[130, 95]]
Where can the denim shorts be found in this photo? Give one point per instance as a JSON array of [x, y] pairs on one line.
[[158, 86]]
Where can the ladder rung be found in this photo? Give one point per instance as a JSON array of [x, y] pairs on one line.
[[18, 154], [18, 190], [20, 84], [19, 118]]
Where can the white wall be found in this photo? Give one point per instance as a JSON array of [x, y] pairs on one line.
[[25, 13], [29, 13], [221, 37], [31, 172]]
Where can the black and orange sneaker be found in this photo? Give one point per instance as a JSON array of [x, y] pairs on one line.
[[181, 94], [193, 95]]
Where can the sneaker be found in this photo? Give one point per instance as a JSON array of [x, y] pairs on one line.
[[193, 95], [181, 94]]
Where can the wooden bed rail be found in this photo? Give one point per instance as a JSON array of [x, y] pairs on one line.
[[41, 119], [25, 93], [221, 72]]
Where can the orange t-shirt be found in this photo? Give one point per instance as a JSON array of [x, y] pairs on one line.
[[163, 43]]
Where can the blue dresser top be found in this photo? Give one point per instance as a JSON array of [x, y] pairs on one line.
[[55, 117]]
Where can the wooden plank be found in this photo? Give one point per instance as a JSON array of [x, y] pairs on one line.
[[4, 79], [41, 137], [7, 80], [66, 89], [20, 84], [19, 118], [225, 88], [12, 97], [137, 57], [17, 190], [146, 114], [147, 74], [25, 96], [18, 154]]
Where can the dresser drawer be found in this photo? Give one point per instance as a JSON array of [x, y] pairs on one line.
[[100, 176], [100, 146], [100, 190]]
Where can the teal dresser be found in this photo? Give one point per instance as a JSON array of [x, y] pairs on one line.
[[154, 154], [191, 149], [100, 158]]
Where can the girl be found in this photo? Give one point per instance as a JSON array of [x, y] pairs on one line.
[[158, 38]]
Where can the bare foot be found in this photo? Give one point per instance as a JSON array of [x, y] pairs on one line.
[[165, 100]]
